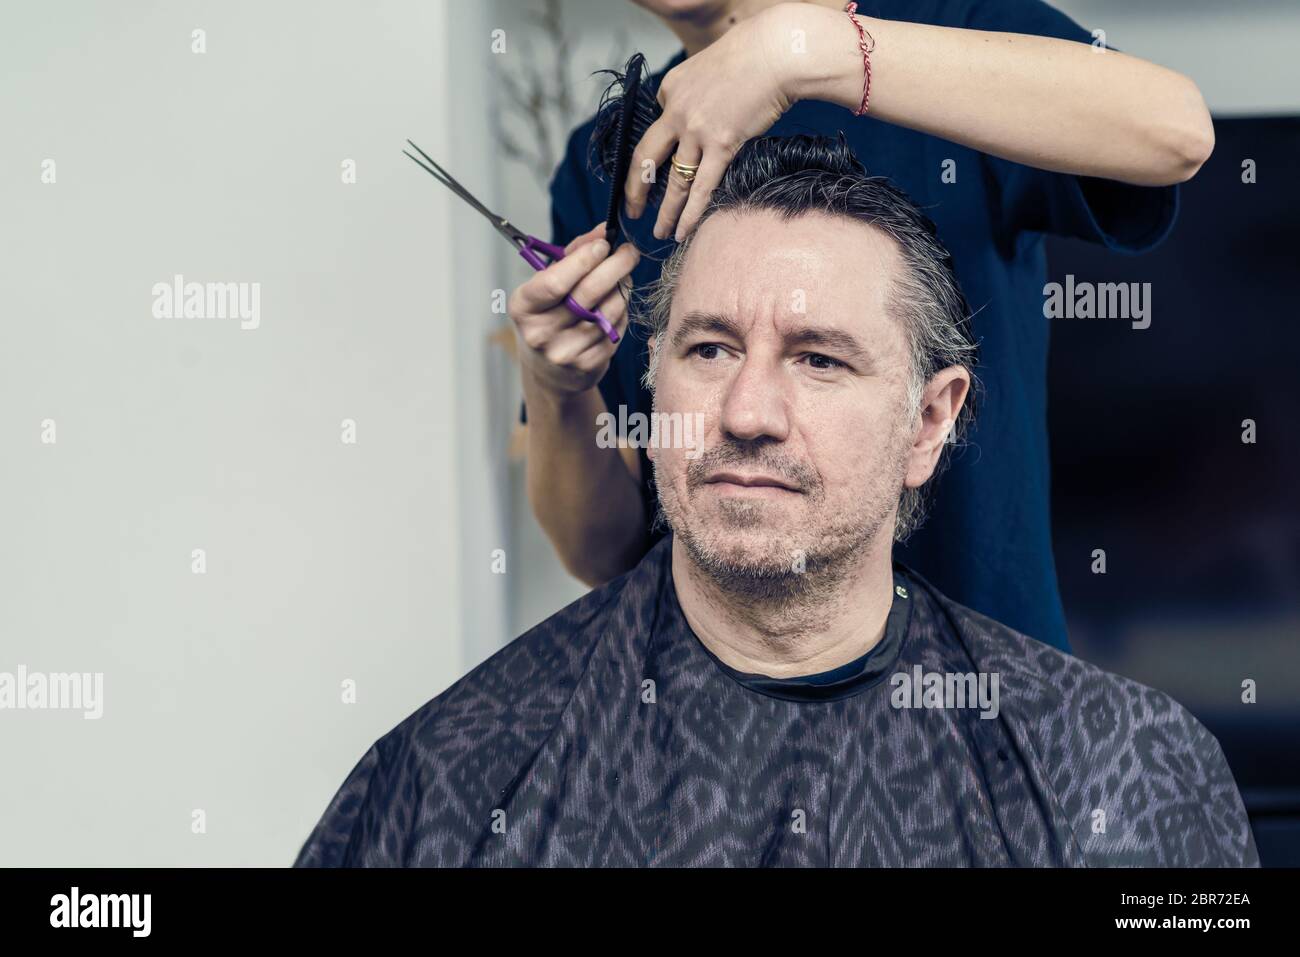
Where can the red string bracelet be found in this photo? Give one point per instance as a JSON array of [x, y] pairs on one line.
[[863, 36]]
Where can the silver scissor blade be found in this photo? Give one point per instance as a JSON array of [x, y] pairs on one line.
[[442, 176], [435, 174]]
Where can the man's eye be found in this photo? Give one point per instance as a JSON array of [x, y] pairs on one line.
[[697, 350], [833, 363]]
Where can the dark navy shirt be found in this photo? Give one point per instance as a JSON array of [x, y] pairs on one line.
[[987, 542]]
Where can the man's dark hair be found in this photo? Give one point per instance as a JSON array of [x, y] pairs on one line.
[[795, 175]]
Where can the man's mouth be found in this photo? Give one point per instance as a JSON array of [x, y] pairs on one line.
[[754, 481]]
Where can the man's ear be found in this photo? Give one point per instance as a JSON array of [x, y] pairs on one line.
[[940, 403]]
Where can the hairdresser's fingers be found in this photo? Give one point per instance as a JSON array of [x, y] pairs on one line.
[[585, 346], [679, 188], [596, 232], [651, 152], [605, 278], [714, 164], [540, 327], [607, 287], [596, 356], [616, 309], [566, 346], [596, 352], [549, 286]]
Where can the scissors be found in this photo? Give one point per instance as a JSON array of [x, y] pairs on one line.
[[529, 246]]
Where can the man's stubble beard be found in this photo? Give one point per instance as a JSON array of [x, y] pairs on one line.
[[831, 547]]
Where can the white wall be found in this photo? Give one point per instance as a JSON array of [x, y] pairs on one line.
[[325, 561]]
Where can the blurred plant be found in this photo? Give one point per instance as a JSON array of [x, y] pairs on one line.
[[539, 108]]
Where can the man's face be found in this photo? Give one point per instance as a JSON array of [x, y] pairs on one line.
[[780, 335]]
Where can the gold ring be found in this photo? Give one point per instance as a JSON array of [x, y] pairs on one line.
[[685, 170]]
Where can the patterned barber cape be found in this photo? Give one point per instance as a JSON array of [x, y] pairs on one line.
[[609, 735]]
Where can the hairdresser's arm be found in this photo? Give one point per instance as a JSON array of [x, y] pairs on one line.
[[586, 498], [1054, 104]]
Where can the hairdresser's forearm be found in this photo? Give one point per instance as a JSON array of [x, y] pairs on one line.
[[583, 496], [1055, 104]]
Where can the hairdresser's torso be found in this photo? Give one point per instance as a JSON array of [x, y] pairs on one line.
[[987, 542]]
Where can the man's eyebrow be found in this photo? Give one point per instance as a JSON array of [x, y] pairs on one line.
[[700, 322], [835, 339]]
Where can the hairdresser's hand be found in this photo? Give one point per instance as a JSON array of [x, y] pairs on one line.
[[714, 101], [564, 354]]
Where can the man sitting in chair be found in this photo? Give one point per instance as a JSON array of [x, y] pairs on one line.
[[767, 687]]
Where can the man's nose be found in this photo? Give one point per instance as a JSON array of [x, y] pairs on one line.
[[754, 401]]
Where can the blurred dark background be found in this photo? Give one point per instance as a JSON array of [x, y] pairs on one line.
[[1201, 531]]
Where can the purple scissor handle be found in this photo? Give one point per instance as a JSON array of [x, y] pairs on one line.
[[529, 246], [528, 249]]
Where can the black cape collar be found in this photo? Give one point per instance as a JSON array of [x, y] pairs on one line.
[[849, 679]]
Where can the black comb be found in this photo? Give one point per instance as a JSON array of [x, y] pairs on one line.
[[624, 143], [628, 107]]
